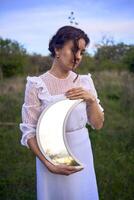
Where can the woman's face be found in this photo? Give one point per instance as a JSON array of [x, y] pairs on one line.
[[66, 58]]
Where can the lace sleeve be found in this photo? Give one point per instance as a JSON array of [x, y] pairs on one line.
[[31, 110], [92, 88]]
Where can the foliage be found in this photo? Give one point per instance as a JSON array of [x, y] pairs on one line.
[[129, 58], [12, 58]]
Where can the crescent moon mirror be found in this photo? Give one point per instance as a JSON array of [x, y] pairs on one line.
[[51, 133]]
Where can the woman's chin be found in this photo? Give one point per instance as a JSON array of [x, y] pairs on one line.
[[72, 64]]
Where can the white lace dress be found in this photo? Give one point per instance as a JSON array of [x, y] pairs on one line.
[[40, 91]]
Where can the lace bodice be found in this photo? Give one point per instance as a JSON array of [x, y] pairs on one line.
[[42, 90]]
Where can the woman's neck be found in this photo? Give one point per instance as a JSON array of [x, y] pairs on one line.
[[58, 71]]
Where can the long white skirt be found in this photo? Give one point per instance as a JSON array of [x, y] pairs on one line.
[[81, 185]]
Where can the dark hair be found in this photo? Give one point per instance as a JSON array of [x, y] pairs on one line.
[[64, 34]]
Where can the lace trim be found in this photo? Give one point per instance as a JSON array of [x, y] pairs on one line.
[[43, 93]]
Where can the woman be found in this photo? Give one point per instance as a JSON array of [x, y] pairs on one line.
[[64, 182]]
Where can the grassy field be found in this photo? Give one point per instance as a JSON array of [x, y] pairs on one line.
[[112, 145]]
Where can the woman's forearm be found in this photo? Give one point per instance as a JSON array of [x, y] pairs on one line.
[[95, 115], [32, 142]]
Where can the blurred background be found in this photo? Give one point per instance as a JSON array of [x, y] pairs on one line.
[[25, 30]]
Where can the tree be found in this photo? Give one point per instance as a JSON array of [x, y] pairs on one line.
[[110, 55], [129, 58], [12, 58]]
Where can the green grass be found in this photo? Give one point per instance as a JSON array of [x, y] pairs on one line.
[[112, 145], [17, 167]]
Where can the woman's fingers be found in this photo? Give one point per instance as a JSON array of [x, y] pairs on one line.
[[67, 167], [62, 169], [74, 89], [75, 93]]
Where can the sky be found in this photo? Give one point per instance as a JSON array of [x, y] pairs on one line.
[[32, 23]]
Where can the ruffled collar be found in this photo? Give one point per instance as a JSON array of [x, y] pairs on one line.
[[43, 93]]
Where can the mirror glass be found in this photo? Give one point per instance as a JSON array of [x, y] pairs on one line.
[[51, 133]]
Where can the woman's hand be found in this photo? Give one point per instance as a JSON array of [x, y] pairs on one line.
[[95, 115], [80, 93], [61, 168]]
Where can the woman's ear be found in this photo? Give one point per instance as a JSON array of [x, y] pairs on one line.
[[57, 52]]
